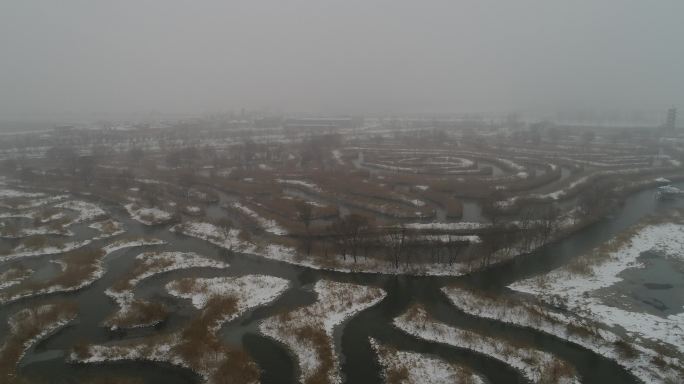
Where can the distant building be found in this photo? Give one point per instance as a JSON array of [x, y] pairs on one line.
[[671, 118]]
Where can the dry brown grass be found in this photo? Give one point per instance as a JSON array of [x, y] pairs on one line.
[[198, 338], [197, 345], [555, 371], [141, 312], [139, 268], [80, 265], [237, 367], [14, 272], [625, 349], [40, 241], [397, 375], [321, 343], [583, 264], [185, 285], [29, 323]]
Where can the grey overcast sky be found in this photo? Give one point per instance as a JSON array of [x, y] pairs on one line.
[[343, 56]]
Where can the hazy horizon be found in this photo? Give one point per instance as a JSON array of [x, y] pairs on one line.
[[86, 58]]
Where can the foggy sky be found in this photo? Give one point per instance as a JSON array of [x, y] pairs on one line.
[[344, 56]]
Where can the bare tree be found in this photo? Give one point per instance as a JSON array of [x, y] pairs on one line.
[[350, 232], [305, 214], [395, 242]]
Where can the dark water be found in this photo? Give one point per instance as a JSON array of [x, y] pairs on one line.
[[358, 364]]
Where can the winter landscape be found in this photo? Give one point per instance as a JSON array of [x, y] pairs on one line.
[[389, 236], [436, 252]]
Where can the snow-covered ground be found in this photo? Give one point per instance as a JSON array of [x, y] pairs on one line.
[[457, 226], [148, 215], [21, 251], [474, 239], [337, 155], [567, 190], [127, 243], [35, 231], [419, 368], [575, 291], [97, 272], [564, 325], [248, 291], [6, 193], [267, 225], [534, 365], [252, 290], [13, 276], [28, 200], [108, 227], [86, 211], [230, 240], [27, 327], [150, 264], [308, 331], [300, 183]]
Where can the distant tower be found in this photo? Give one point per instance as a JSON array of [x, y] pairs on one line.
[[671, 118]]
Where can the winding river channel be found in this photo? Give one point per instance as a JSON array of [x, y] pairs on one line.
[[46, 361]]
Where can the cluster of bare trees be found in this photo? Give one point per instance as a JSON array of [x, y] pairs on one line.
[[357, 236], [352, 235], [596, 197], [535, 226]]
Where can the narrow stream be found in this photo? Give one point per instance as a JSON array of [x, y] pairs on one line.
[[47, 362]]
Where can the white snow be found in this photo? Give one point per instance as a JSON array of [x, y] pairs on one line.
[[231, 241], [127, 243], [21, 251], [6, 193], [228, 239], [94, 276], [421, 368], [530, 362], [268, 225], [337, 155], [456, 226], [25, 232], [86, 211], [250, 292], [148, 215], [336, 303], [153, 263], [300, 183], [13, 276], [511, 164], [575, 290], [35, 315], [473, 239], [253, 290], [417, 203], [526, 313], [108, 227]]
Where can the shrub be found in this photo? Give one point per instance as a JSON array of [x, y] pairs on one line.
[[397, 375], [625, 349]]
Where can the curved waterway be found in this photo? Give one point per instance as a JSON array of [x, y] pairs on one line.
[[46, 361]]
